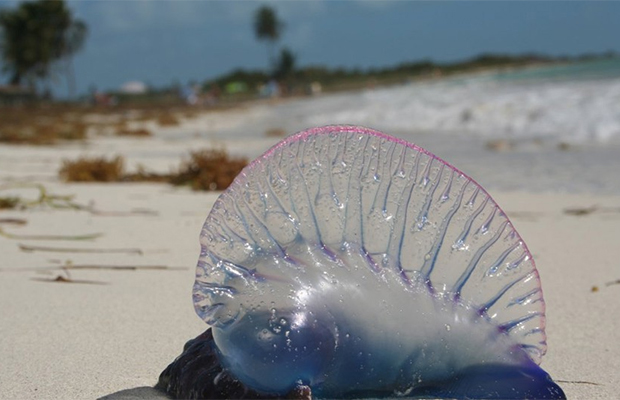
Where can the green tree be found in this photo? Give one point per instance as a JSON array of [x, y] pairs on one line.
[[268, 27], [35, 36]]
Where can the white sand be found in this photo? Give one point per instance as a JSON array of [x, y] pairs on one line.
[[573, 254], [81, 340]]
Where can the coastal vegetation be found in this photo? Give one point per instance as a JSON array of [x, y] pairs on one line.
[[336, 79], [37, 40]]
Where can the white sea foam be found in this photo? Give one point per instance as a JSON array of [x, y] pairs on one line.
[[570, 111]]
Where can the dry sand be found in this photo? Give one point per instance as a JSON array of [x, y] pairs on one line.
[[113, 332]]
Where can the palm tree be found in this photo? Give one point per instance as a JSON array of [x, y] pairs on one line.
[[268, 27], [286, 64]]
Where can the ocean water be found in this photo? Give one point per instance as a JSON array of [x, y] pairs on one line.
[[587, 70], [574, 103]]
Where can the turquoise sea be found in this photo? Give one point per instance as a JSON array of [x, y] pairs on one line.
[[586, 70]]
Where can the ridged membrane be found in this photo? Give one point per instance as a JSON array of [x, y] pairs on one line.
[[353, 209]]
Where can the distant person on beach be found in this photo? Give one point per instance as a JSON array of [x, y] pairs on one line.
[[271, 89], [98, 98], [190, 94]]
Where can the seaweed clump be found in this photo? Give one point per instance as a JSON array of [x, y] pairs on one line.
[[41, 133], [9, 202], [141, 132], [209, 170], [205, 170], [97, 169], [167, 119]]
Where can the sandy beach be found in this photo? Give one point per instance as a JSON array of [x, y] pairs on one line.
[[111, 332]]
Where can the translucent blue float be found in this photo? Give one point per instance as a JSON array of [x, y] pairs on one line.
[[356, 264]]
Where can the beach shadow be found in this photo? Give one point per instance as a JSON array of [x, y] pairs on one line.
[[138, 393]]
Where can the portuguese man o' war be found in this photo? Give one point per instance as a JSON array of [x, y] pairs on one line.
[[349, 264]]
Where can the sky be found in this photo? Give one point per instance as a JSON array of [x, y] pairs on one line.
[[160, 42]]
